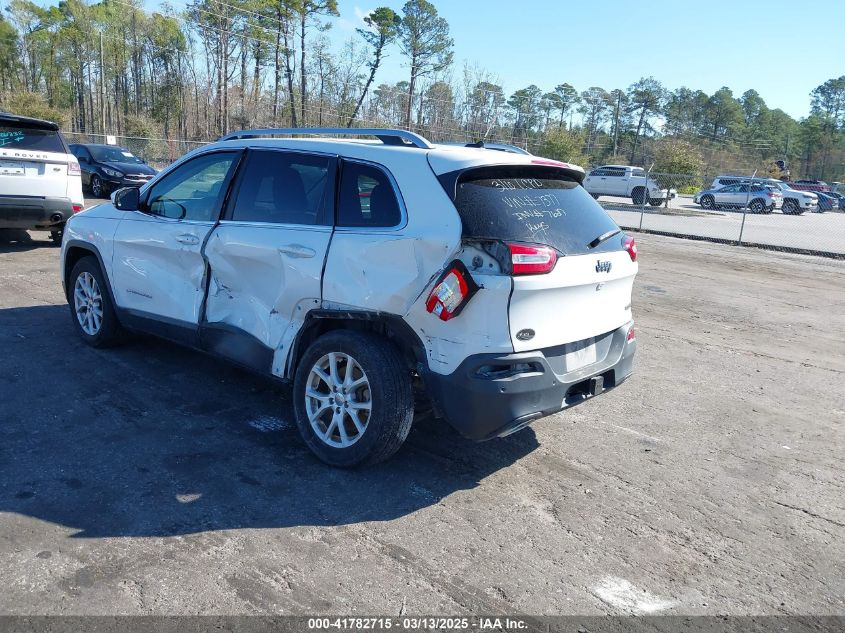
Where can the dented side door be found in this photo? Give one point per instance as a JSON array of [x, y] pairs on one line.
[[264, 277]]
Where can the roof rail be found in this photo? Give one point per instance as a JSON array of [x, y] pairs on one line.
[[387, 136]]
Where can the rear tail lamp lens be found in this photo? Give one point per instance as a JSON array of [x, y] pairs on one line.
[[73, 169], [632, 334], [528, 259], [630, 245], [452, 292], [76, 208]]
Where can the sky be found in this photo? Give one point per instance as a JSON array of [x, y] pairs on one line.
[[781, 49]]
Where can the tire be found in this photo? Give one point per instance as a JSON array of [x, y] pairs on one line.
[[655, 202], [57, 234], [386, 388], [708, 202], [757, 206], [638, 195], [790, 207], [97, 188], [106, 331]]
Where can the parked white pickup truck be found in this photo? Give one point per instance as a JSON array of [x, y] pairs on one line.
[[626, 182]]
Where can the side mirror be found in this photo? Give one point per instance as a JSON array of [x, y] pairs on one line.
[[127, 199], [82, 159]]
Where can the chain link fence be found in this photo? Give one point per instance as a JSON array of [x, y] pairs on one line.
[[736, 209], [158, 152]]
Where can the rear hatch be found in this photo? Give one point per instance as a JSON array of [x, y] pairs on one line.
[[572, 268], [33, 159]]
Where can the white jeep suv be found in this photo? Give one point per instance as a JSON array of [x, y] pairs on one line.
[[358, 269]]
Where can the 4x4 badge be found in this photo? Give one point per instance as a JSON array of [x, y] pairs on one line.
[[602, 267]]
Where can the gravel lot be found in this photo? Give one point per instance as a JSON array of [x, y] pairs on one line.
[[150, 479]]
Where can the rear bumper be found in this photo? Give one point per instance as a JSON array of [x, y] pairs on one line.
[[482, 404], [33, 212]]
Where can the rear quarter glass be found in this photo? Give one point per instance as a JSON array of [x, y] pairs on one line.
[[529, 204], [15, 136]]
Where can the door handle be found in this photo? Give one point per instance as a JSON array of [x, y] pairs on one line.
[[297, 250], [187, 238]]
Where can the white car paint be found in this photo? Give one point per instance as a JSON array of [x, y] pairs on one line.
[[574, 301], [159, 268], [265, 279]]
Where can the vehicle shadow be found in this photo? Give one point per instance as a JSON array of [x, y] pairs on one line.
[[150, 439], [12, 240]]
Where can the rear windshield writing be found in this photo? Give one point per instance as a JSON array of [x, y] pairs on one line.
[[17, 137], [533, 210], [555, 211]]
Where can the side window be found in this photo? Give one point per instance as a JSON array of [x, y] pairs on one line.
[[616, 172], [282, 188], [367, 198], [638, 173], [194, 190]]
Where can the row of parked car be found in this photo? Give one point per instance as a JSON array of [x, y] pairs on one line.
[[764, 195]]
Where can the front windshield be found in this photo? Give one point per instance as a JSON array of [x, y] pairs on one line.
[[114, 155]]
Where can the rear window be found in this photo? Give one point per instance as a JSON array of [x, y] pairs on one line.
[[537, 205], [17, 136]]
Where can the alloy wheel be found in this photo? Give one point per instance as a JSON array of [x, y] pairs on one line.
[[88, 303], [338, 400]]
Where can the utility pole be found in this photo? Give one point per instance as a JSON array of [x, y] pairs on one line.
[[616, 121], [102, 87]]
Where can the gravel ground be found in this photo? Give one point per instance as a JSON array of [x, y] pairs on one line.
[[154, 480]]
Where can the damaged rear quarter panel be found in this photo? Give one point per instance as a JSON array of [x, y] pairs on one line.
[[386, 270], [393, 271], [482, 326]]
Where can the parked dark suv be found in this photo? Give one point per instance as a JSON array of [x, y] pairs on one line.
[[109, 167]]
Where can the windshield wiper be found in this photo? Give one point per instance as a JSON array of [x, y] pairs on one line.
[[603, 237]]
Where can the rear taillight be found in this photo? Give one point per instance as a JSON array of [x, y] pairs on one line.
[[452, 292], [632, 334], [630, 245], [76, 208], [531, 259], [73, 169]]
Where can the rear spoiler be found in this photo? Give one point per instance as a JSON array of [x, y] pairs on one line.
[[6, 117], [449, 180]]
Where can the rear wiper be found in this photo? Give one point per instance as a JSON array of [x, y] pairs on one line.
[[604, 236]]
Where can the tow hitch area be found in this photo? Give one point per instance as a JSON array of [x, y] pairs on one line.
[[596, 385]]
